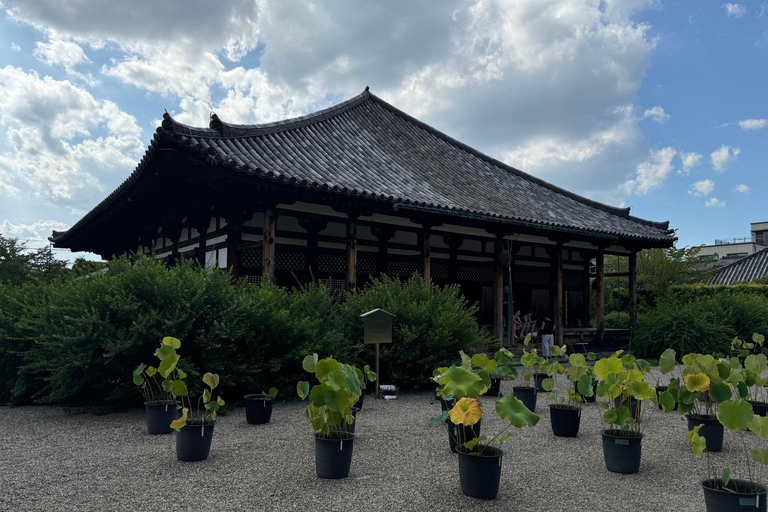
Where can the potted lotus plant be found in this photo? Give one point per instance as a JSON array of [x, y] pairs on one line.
[[258, 407], [565, 409], [195, 426], [755, 365], [722, 491], [531, 362], [161, 404], [329, 412], [480, 463], [621, 382], [468, 380], [366, 376], [706, 383], [505, 371]]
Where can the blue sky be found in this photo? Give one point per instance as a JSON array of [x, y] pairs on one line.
[[651, 104]]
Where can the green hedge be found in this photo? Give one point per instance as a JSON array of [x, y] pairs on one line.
[[76, 341], [705, 323], [690, 292]]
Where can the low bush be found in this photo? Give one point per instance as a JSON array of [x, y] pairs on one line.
[[617, 320]]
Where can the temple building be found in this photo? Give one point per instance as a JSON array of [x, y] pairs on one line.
[[360, 189]]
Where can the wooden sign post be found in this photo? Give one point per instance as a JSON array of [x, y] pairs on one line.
[[377, 328]]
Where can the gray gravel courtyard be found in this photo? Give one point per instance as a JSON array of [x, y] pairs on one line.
[[55, 460]]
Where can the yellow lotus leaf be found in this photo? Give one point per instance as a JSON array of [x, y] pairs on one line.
[[467, 411], [696, 382]]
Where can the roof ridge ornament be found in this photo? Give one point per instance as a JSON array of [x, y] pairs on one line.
[[215, 123]]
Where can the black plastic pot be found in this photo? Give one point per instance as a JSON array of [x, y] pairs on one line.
[[635, 405], [495, 387], [740, 496], [712, 430], [621, 453], [359, 403], [160, 414], [258, 408], [526, 395], [480, 474], [333, 457], [464, 432], [193, 442], [445, 405], [539, 379], [565, 420], [760, 408]]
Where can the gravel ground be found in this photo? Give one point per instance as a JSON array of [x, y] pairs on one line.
[[55, 460]]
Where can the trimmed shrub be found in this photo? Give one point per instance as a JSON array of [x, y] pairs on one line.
[[617, 320], [431, 325]]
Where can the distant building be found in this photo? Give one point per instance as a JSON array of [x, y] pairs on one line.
[[736, 248]]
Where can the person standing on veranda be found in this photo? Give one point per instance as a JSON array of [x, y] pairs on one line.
[[547, 331]]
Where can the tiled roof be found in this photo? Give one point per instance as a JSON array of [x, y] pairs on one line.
[[366, 148], [745, 270]]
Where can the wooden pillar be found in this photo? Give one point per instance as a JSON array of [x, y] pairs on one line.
[[586, 313], [453, 242], [632, 294], [498, 295], [268, 243], [384, 235], [426, 259], [351, 284], [233, 239], [600, 296], [557, 261]]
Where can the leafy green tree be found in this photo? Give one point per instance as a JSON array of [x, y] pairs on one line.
[[660, 269], [19, 264]]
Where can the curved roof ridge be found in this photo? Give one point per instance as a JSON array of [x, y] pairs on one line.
[[218, 129], [622, 212]]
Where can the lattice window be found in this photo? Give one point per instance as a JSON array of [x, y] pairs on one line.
[[366, 265], [403, 269], [290, 260], [486, 303], [532, 277], [251, 258], [333, 263], [475, 273], [336, 285], [438, 270], [540, 303], [251, 279], [573, 279]]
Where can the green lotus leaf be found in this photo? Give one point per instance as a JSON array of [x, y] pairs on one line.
[[585, 385], [512, 410], [437, 420], [182, 373], [643, 365], [736, 414], [529, 359], [743, 389], [548, 384], [326, 366], [760, 456], [309, 363], [608, 388], [506, 372], [667, 401], [720, 392], [179, 388], [726, 476], [577, 360], [206, 396], [628, 361], [503, 356], [171, 342], [623, 415], [610, 416], [164, 351], [318, 393], [484, 362], [759, 426], [462, 383], [501, 438], [527, 339], [352, 381], [723, 372], [334, 418], [667, 361], [138, 380], [212, 406], [371, 376], [736, 343], [272, 391], [168, 364], [758, 338], [607, 366], [696, 442], [211, 380], [576, 372], [167, 385], [591, 356], [340, 399], [466, 361], [473, 442], [139, 369], [337, 379], [756, 363], [302, 389], [688, 359], [151, 371], [733, 363], [180, 422]]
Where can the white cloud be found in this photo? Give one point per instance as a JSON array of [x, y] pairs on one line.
[[60, 139], [35, 235], [723, 157], [702, 188], [690, 160], [753, 124], [15, 47], [656, 114], [735, 10], [651, 173], [714, 202], [59, 52], [744, 189]]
